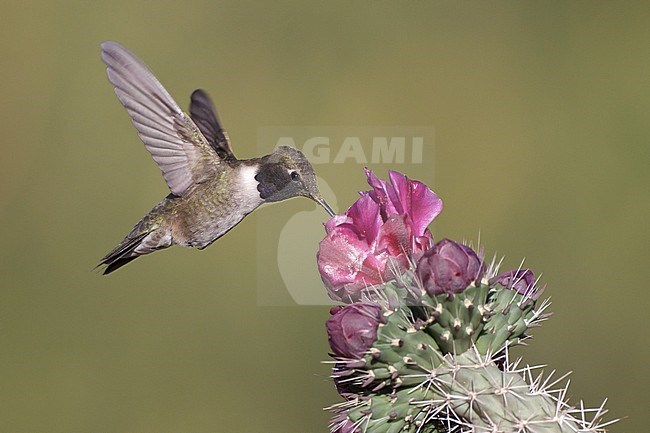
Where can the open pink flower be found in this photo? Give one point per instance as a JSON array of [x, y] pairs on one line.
[[379, 233]]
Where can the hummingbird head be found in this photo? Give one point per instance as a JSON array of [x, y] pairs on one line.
[[286, 173]]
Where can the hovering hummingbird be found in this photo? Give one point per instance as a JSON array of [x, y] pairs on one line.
[[211, 190]]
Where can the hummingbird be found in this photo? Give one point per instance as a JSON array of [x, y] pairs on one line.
[[211, 190]]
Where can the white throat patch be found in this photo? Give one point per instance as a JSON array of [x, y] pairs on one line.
[[248, 183]]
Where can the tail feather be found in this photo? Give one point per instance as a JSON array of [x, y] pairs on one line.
[[118, 263], [122, 254]]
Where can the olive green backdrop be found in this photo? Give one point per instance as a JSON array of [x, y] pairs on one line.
[[541, 111]]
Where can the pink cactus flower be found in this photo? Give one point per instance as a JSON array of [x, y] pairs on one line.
[[384, 231]]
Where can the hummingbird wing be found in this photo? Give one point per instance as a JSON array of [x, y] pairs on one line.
[[204, 114], [176, 144]]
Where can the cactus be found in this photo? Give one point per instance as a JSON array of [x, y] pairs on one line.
[[426, 349]]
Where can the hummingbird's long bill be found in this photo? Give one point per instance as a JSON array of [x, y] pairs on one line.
[[321, 201]]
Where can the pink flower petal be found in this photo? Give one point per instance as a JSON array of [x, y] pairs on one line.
[[365, 216], [416, 199], [340, 258], [399, 192], [394, 237], [336, 221], [380, 195]]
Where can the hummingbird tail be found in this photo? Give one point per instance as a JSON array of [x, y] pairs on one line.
[[122, 254], [113, 266]]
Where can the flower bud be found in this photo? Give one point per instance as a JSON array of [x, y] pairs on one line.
[[449, 267], [521, 280], [352, 329]]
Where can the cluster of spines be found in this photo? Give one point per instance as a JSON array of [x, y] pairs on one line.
[[472, 393]]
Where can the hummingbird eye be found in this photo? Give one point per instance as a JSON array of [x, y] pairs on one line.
[[294, 175]]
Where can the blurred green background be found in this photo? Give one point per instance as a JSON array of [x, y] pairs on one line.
[[541, 112]]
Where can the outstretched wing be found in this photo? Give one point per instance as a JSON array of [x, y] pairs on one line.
[[204, 114], [174, 141]]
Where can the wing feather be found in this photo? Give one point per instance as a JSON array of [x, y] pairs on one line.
[[181, 151], [204, 114]]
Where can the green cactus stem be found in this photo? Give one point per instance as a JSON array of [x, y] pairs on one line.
[[470, 393]]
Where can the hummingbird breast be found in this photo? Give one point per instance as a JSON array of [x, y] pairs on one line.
[[214, 207]]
